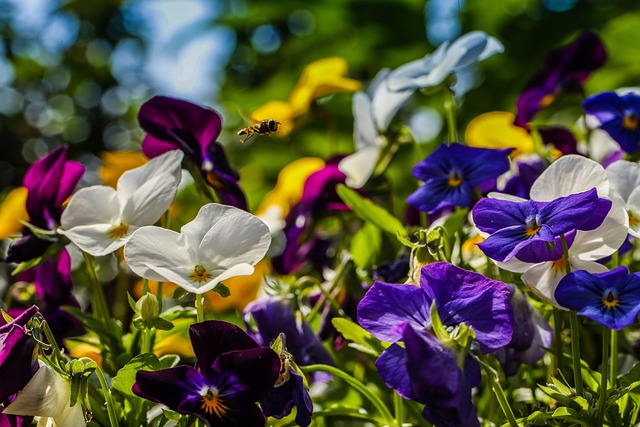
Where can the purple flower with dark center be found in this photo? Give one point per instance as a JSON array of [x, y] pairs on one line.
[[18, 361], [451, 174], [49, 182], [611, 299], [232, 373], [173, 123], [460, 296], [619, 116], [559, 137], [520, 227], [565, 70], [319, 198]]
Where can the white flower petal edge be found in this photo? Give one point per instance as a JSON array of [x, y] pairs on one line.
[[624, 177], [571, 174], [47, 394], [359, 166]]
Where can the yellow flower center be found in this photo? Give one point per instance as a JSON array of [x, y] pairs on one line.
[[630, 122], [547, 100], [212, 403], [559, 265], [118, 232], [610, 300], [633, 219], [454, 180], [199, 274]]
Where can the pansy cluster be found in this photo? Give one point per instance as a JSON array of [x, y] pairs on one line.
[[471, 291]]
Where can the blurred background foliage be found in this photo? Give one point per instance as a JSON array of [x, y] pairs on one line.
[[75, 72]]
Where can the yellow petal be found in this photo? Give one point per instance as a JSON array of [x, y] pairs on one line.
[[275, 110], [321, 78], [13, 210], [115, 163], [496, 130], [290, 184]]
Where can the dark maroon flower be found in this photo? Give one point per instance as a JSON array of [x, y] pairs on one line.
[[173, 123], [49, 182], [232, 373], [565, 70]]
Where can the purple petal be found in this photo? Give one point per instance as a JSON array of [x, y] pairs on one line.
[[435, 194], [26, 248], [606, 106], [561, 138], [256, 368], [170, 387], [387, 308], [392, 367], [568, 213], [281, 400]]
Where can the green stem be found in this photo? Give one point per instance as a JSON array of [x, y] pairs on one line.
[[450, 113], [606, 339], [614, 358], [199, 308], [159, 295], [106, 392], [99, 302], [557, 325], [146, 341], [363, 389], [351, 415], [398, 407], [492, 376], [332, 284]]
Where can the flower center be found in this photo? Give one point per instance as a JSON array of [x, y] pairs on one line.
[[454, 180], [559, 265], [212, 403], [118, 232], [633, 219], [630, 122], [610, 300], [547, 100], [199, 274], [532, 228]]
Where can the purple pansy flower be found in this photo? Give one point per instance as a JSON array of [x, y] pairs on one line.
[[49, 182], [319, 198], [452, 172], [565, 70], [619, 116], [611, 299], [520, 227], [233, 372], [529, 169], [173, 123]]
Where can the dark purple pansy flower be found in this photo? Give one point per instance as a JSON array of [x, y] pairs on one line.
[[561, 138], [233, 372], [173, 123], [451, 174], [319, 198], [18, 361], [565, 70], [517, 228], [619, 116], [611, 299], [49, 182]]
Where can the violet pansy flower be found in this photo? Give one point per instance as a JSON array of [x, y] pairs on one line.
[[232, 373], [514, 226], [611, 299], [565, 69], [451, 174], [619, 116], [176, 124], [49, 182]]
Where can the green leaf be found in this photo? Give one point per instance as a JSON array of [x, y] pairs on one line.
[[161, 324], [365, 245], [568, 414], [355, 333], [222, 290], [370, 212], [169, 361], [126, 376]]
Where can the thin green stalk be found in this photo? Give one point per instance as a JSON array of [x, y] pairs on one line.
[[450, 113], [146, 340], [199, 308], [614, 358], [573, 322], [99, 302], [492, 376], [159, 295], [606, 339], [351, 415], [398, 408], [106, 392], [557, 325], [363, 389], [332, 284]]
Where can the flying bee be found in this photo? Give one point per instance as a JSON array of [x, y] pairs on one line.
[[265, 127]]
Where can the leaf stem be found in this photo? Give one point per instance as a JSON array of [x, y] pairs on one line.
[[99, 302], [199, 308], [106, 392], [606, 340], [573, 322], [494, 381], [450, 113]]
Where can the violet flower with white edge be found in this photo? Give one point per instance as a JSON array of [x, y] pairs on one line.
[[220, 243], [100, 219]]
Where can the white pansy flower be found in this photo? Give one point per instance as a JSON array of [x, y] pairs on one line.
[[220, 243], [624, 177], [100, 219], [48, 396]]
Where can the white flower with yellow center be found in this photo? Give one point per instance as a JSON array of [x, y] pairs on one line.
[[220, 243], [100, 219], [624, 177]]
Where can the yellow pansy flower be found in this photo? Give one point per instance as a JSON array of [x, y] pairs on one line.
[[13, 209], [496, 130], [115, 163]]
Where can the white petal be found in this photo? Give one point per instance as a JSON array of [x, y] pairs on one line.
[[570, 174], [604, 240], [359, 166], [543, 280], [404, 77], [94, 239], [207, 217], [365, 133], [505, 196], [236, 239], [624, 177], [47, 394], [385, 103], [146, 204], [159, 254], [71, 417], [515, 265], [169, 162], [92, 205], [633, 208], [234, 271]]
